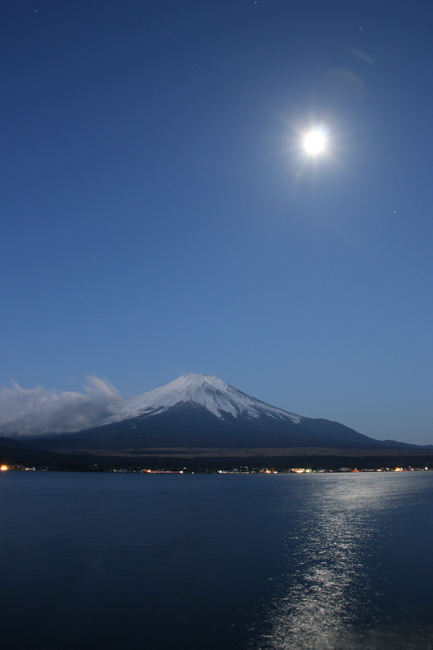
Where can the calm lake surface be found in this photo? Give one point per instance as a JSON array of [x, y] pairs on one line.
[[216, 561]]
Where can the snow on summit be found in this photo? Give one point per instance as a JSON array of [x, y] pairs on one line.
[[204, 390]]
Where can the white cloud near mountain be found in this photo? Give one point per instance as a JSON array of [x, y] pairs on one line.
[[37, 411]]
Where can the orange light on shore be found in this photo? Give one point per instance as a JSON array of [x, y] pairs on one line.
[[3, 468]]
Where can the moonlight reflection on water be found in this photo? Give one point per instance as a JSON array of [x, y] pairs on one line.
[[329, 600]]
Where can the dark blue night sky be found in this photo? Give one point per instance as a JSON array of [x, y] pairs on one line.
[[159, 216]]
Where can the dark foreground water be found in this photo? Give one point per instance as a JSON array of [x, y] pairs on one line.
[[216, 562]]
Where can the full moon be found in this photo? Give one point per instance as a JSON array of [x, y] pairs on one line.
[[314, 143]]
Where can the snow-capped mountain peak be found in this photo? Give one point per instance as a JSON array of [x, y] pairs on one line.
[[206, 391]]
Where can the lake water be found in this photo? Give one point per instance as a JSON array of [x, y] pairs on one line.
[[216, 561]]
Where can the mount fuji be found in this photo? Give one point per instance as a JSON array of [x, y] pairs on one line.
[[202, 411], [204, 391]]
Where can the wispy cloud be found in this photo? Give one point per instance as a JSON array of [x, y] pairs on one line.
[[37, 411], [362, 55]]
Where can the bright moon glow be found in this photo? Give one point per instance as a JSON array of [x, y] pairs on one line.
[[314, 142]]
